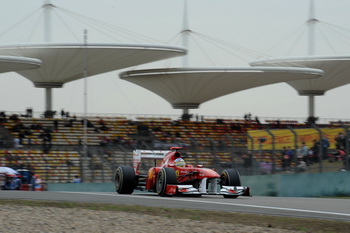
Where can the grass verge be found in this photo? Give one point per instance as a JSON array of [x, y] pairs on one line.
[[300, 224]]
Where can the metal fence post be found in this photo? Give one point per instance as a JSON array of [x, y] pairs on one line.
[[320, 156], [346, 128], [273, 150], [251, 155], [296, 147]]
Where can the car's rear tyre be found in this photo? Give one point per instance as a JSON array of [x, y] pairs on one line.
[[124, 180], [164, 177], [230, 177]]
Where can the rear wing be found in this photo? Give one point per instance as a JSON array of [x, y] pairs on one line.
[[147, 154]]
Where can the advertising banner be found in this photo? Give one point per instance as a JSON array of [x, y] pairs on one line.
[[286, 138]]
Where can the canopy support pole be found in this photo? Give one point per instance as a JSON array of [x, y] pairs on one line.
[[311, 105], [48, 98]]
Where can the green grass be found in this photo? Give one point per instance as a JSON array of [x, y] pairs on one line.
[[304, 224]]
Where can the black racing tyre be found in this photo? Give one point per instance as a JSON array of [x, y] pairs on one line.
[[124, 180], [230, 177], [165, 176]]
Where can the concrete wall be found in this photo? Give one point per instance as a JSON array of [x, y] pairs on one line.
[[82, 187], [299, 185]]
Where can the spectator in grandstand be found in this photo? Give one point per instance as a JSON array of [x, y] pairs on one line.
[[301, 165], [291, 156], [21, 136], [339, 155], [36, 183], [32, 181], [29, 112], [9, 182], [18, 127], [3, 117], [236, 127], [14, 117], [284, 158], [76, 179], [16, 143], [285, 162], [2, 114], [311, 120], [104, 128], [101, 122], [284, 151], [325, 145], [346, 163], [36, 127], [116, 140], [304, 152], [55, 122], [245, 116], [258, 122], [88, 123], [186, 117], [266, 166], [17, 182], [104, 141], [63, 114], [315, 151], [69, 123], [247, 161], [340, 141]]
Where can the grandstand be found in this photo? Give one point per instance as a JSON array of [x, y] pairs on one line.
[[54, 147]]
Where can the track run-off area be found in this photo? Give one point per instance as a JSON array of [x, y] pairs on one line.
[[319, 208]]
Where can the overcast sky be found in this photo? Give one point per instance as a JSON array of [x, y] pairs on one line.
[[272, 27]]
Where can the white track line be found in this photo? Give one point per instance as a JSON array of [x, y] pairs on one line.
[[217, 203]]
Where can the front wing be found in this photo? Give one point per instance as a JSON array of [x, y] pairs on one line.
[[213, 189]]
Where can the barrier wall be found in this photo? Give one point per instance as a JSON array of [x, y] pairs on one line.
[[81, 187], [299, 185]]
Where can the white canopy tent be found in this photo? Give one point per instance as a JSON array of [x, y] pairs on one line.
[[63, 63], [336, 73], [12, 63], [187, 88]]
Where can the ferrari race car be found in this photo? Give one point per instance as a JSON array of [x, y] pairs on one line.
[[173, 177]]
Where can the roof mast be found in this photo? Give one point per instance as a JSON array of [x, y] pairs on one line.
[[185, 33], [311, 50], [312, 23], [47, 35], [47, 20]]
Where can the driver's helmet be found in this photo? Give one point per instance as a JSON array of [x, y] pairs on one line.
[[180, 162]]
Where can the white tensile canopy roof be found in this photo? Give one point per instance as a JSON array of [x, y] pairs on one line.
[[187, 88], [336, 73], [12, 63], [65, 62]]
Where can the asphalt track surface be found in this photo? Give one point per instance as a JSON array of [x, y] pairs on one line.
[[319, 208]]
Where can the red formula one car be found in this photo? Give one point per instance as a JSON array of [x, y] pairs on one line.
[[174, 177]]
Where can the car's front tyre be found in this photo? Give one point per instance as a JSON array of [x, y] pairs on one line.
[[230, 177], [124, 180], [164, 177]]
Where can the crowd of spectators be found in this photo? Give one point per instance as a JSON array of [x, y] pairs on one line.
[[301, 157]]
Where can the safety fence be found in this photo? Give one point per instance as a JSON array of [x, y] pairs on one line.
[[311, 149], [214, 145]]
